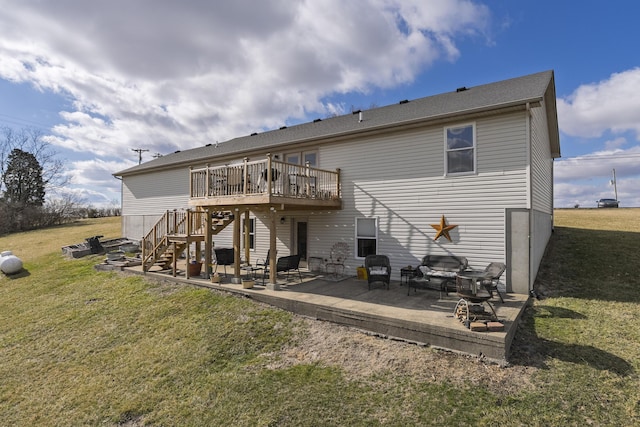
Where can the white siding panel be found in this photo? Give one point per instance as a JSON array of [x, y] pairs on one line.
[[146, 197], [155, 193], [541, 188], [400, 180], [542, 162]]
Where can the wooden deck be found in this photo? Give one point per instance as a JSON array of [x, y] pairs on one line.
[[265, 183], [425, 317]]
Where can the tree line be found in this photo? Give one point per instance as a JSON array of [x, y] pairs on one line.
[[32, 185]]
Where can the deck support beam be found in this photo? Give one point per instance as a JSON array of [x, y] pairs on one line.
[[273, 274]]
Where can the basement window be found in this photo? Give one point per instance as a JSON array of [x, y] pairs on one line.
[[252, 233], [366, 236]]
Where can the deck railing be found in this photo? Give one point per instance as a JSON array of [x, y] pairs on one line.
[[264, 177]]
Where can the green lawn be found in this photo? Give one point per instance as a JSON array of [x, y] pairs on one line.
[[78, 347]]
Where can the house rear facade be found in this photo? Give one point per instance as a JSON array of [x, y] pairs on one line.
[[377, 180]]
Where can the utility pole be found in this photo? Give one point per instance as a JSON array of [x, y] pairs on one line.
[[139, 151], [613, 182]]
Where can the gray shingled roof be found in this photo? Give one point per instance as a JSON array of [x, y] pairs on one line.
[[516, 91]]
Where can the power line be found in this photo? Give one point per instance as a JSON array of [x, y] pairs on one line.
[[16, 121], [606, 157]]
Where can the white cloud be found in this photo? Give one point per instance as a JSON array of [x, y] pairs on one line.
[[609, 105], [599, 164], [584, 179], [164, 76]]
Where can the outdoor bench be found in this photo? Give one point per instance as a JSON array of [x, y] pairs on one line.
[[437, 272], [285, 264]]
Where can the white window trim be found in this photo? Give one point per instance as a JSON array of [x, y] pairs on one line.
[[377, 225], [475, 150], [301, 155]]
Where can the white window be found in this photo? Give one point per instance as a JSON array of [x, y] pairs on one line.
[[460, 149], [366, 236], [252, 233], [301, 158]]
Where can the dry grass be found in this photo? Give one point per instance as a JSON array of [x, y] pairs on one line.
[[85, 348]]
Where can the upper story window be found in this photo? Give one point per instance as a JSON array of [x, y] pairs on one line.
[[460, 149], [301, 158]]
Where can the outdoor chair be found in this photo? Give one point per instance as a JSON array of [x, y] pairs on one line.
[[337, 256], [378, 269], [286, 263], [224, 257], [494, 271], [263, 264], [470, 307]]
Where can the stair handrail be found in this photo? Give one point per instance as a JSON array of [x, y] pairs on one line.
[[175, 222]]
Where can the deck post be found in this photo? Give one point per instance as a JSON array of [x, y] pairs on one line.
[[245, 177], [247, 224], [269, 177], [175, 259], [236, 247], [207, 183], [208, 246], [307, 182], [273, 274]]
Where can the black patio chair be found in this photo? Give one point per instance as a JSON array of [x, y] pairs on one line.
[[285, 263], [224, 257], [378, 269]]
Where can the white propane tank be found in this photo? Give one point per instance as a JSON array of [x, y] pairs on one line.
[[9, 263]]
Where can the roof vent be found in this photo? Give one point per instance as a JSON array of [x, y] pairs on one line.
[[356, 111], [360, 117], [176, 152], [461, 89], [254, 134], [208, 145], [283, 127], [317, 120], [404, 101]]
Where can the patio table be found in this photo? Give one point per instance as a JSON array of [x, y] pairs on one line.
[[474, 276], [250, 271]]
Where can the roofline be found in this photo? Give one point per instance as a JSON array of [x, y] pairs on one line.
[[519, 105]]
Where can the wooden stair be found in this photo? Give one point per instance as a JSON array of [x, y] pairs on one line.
[[174, 232]]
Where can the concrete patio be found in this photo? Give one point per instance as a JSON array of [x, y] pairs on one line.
[[425, 316]]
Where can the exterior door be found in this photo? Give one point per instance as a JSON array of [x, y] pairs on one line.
[[301, 239]]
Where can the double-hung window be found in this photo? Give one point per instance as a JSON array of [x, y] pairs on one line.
[[460, 149], [366, 236]]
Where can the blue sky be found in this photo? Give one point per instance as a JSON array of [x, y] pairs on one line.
[[102, 78]]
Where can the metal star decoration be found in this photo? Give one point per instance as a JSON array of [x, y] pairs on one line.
[[443, 229]]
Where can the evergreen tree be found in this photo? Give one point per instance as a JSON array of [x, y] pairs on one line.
[[23, 179]]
